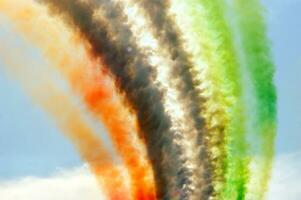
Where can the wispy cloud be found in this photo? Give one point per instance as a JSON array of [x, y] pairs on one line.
[[286, 178], [76, 184]]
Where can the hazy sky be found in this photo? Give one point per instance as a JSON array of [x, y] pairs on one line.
[[30, 144]]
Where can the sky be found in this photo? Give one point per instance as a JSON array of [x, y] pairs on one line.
[[32, 146]]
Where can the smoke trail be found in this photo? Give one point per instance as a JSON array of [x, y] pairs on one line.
[[110, 176], [96, 88], [210, 42], [256, 56], [198, 42], [235, 174], [185, 134], [134, 77], [42, 85], [169, 36]]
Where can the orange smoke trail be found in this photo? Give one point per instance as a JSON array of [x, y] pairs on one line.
[[121, 127], [68, 116], [109, 175], [69, 53]]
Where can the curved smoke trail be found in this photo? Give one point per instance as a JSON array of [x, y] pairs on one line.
[[257, 58], [198, 174], [205, 24], [71, 118]]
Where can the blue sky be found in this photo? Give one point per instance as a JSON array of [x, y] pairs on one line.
[[30, 143]]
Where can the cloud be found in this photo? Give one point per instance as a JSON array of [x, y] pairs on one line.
[[76, 184], [286, 178]]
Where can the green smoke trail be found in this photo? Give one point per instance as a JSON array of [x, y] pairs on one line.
[[236, 163], [216, 48], [256, 56]]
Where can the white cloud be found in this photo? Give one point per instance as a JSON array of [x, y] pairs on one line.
[[286, 178], [79, 184], [76, 184]]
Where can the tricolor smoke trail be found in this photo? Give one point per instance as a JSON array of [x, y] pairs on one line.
[[171, 83]]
